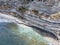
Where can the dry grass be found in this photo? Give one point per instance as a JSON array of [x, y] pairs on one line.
[[55, 16]]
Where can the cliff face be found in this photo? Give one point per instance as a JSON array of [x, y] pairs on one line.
[[44, 9], [45, 6]]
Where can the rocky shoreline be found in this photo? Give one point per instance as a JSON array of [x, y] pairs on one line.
[[49, 23]]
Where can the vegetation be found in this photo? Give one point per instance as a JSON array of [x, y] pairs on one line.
[[22, 9], [35, 11]]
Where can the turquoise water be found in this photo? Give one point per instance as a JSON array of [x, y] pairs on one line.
[[19, 34]]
